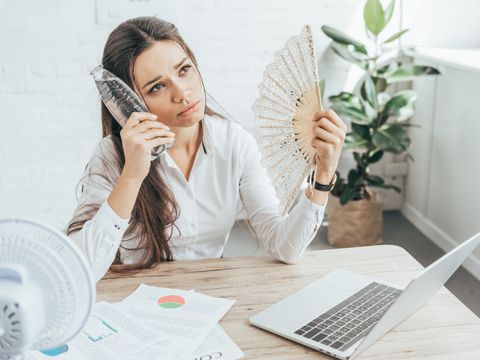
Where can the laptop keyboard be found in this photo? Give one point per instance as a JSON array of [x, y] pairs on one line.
[[344, 324]]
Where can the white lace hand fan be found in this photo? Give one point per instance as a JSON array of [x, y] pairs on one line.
[[289, 96]]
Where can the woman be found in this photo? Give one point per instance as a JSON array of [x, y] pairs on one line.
[[134, 213]]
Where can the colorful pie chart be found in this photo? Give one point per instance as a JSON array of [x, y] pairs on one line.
[[56, 351], [171, 301]]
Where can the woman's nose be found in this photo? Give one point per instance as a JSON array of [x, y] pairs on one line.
[[180, 93]]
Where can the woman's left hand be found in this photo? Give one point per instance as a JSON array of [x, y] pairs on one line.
[[329, 133]]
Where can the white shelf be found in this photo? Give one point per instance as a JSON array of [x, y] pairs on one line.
[[466, 59]]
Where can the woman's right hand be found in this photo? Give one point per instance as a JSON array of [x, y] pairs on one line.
[[141, 133]]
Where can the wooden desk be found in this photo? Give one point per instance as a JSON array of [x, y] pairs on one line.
[[442, 329]]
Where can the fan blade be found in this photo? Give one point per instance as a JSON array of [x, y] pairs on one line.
[[277, 100], [293, 59], [281, 80], [264, 105]]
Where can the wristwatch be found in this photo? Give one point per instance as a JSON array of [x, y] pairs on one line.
[[328, 187]]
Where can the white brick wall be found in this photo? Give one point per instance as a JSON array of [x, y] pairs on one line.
[[49, 108]]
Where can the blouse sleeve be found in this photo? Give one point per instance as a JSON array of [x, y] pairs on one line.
[[284, 237], [102, 233]]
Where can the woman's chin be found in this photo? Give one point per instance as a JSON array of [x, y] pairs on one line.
[[190, 120]]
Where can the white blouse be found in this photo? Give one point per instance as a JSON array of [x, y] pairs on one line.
[[227, 173]]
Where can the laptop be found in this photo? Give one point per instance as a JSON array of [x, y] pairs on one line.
[[343, 313]]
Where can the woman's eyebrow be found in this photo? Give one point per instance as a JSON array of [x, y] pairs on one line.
[[160, 76]]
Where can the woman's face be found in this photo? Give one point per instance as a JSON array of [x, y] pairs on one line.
[[170, 84]]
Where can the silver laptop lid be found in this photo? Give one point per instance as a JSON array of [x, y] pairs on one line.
[[420, 289]]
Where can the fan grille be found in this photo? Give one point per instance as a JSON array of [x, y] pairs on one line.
[[54, 264], [11, 325]]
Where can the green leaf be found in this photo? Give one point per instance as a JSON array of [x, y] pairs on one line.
[[380, 84], [383, 98], [374, 16], [347, 195], [391, 138], [389, 11], [405, 113], [373, 179], [383, 69], [361, 131], [348, 53], [351, 143], [353, 176], [343, 97], [354, 114], [347, 99], [358, 145], [407, 72], [342, 38], [369, 92], [358, 158], [369, 110], [402, 99], [375, 156], [395, 36]]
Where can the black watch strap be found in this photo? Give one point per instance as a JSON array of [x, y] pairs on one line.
[[324, 187]]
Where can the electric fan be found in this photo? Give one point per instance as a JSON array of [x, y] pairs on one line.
[[289, 96], [46, 288]]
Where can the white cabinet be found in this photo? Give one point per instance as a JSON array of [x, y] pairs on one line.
[[442, 193]]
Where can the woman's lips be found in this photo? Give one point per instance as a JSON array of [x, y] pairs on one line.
[[190, 109]]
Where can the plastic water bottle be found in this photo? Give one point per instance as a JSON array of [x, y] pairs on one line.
[[120, 100]]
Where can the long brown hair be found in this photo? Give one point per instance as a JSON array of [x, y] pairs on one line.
[[155, 211]]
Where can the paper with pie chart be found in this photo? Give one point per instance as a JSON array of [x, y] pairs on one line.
[[107, 334], [185, 317]]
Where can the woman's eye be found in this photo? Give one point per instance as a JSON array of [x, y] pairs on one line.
[[185, 68], [157, 87]]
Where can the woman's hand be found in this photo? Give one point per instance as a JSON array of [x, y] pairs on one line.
[[329, 134], [141, 133]]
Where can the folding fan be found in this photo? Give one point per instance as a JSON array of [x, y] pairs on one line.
[[289, 96]]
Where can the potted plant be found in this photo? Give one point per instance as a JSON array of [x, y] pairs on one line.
[[378, 118]]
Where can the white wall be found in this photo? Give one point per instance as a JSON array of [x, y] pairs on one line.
[[49, 108], [444, 23]]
